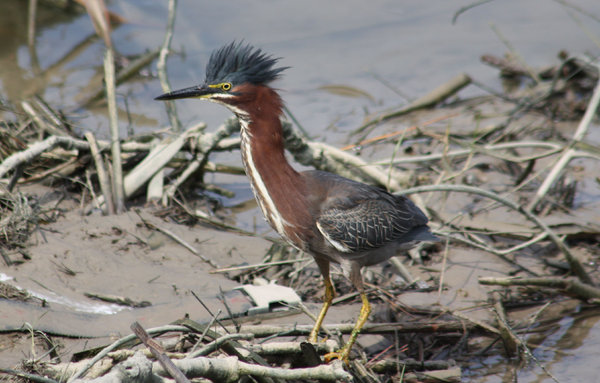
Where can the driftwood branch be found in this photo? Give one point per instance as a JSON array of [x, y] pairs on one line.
[[136, 368]]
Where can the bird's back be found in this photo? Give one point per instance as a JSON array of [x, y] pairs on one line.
[[356, 220]]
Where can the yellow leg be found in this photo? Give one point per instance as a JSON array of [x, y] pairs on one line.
[[329, 295], [365, 310], [344, 352]]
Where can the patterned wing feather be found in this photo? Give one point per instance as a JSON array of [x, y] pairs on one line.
[[370, 223]]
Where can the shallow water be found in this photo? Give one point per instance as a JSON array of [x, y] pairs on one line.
[[566, 350], [392, 51], [382, 48]]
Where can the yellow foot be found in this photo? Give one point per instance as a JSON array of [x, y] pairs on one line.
[[342, 354]]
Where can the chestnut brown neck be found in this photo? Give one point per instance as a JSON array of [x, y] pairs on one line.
[[278, 188]]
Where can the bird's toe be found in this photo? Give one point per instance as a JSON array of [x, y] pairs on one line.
[[343, 355]]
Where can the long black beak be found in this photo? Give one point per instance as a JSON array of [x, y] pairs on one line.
[[198, 91]]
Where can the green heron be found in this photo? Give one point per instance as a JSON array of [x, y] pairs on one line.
[[328, 216]]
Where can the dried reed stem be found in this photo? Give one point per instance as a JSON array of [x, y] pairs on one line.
[[117, 167]]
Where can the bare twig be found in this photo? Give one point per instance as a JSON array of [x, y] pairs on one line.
[[489, 328], [100, 19], [159, 353], [578, 9], [119, 300], [462, 10], [47, 126], [387, 136], [102, 175], [390, 365], [31, 28], [511, 336], [161, 66], [514, 52], [287, 348]]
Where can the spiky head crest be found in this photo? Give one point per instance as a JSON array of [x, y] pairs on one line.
[[238, 63]]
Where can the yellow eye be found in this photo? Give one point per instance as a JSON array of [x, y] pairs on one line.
[[225, 86]]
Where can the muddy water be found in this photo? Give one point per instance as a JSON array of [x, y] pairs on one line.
[[391, 51]]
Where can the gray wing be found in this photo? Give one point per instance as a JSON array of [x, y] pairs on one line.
[[357, 217]]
